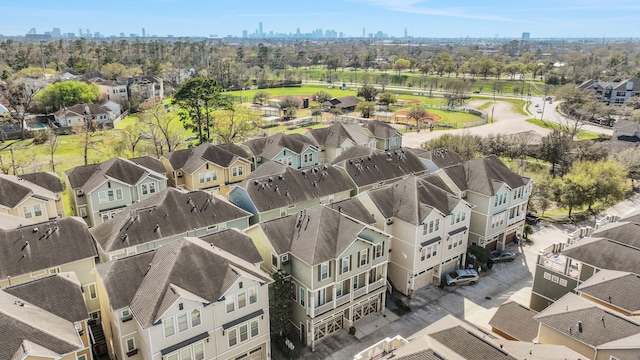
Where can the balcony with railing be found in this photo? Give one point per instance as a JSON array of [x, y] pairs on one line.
[[550, 258]]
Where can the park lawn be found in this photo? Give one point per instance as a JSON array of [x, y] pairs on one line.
[[486, 105], [582, 134]]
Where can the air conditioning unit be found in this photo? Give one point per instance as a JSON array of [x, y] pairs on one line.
[[389, 221], [179, 173], [258, 159], [79, 192]]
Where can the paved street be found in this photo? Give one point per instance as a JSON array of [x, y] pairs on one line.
[[476, 303]]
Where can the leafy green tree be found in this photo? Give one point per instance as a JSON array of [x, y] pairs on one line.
[[67, 93], [570, 192], [322, 96], [368, 92], [401, 64], [417, 113], [387, 99], [555, 149], [237, 124], [197, 99], [260, 97], [290, 105], [114, 70], [280, 300], [366, 108], [466, 145]]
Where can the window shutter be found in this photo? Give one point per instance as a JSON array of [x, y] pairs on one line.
[[319, 272], [329, 266], [350, 262]]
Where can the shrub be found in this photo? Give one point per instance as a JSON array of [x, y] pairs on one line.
[[481, 254], [352, 330]]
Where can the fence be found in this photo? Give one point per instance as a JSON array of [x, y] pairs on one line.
[[117, 120]]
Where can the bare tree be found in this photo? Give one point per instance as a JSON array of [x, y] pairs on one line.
[[87, 137], [53, 141], [18, 100], [162, 127]]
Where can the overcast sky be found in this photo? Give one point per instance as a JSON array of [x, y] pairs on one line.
[[461, 18]]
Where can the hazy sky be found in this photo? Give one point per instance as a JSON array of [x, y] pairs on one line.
[[422, 18]]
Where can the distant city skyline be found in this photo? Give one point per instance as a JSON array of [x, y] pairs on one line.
[[395, 18]]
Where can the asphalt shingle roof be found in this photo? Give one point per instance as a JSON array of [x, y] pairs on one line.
[[44, 245], [620, 289], [155, 279], [12, 193], [236, 243], [336, 134], [191, 159], [89, 177], [269, 147], [605, 254], [354, 208], [516, 321], [440, 157], [367, 166], [484, 175], [167, 213], [381, 130], [469, 345], [47, 180]]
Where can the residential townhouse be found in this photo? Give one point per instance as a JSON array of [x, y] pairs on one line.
[[34, 197], [514, 321], [595, 331], [367, 168], [338, 137], [429, 229], [612, 93], [149, 87], [437, 158], [50, 247], [12, 222], [338, 266], [276, 190], [207, 167], [294, 150], [452, 338], [498, 195], [562, 267], [163, 218], [97, 192], [387, 137], [111, 90], [81, 113], [617, 290], [185, 300], [45, 319]]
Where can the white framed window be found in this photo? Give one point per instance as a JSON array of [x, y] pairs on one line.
[[254, 328], [169, 328], [152, 188], [423, 254], [37, 210], [26, 210], [230, 304], [324, 271], [54, 270], [303, 294], [82, 212], [233, 340], [237, 171], [346, 264], [195, 318], [173, 356], [82, 357], [364, 257], [208, 176], [182, 322], [244, 334], [92, 291], [242, 299], [130, 344], [145, 189], [110, 195], [198, 351], [253, 295], [185, 354], [379, 250], [125, 313]]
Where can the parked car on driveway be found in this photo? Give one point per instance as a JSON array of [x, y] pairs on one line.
[[502, 256], [462, 277], [532, 219]]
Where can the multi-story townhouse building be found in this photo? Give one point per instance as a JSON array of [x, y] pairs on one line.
[[50, 247], [335, 139], [294, 150], [562, 267], [387, 137], [368, 168], [276, 190], [498, 195], [616, 290], [45, 318], [27, 197], [612, 93], [207, 167], [338, 266], [429, 229], [437, 158], [97, 192], [185, 300], [81, 113], [165, 217]]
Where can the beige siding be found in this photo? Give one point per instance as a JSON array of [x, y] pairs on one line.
[[548, 335]]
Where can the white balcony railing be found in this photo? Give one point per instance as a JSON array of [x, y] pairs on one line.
[[359, 292], [343, 300], [321, 309]]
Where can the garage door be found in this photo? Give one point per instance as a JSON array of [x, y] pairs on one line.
[[492, 245], [510, 238]]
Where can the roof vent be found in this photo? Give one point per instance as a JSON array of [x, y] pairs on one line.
[[304, 172], [281, 176], [580, 326], [26, 243], [270, 179], [256, 182], [35, 230], [325, 167]]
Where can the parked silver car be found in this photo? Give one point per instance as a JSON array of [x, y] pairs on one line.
[[462, 277], [501, 256]]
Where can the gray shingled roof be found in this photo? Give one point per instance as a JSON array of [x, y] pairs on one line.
[[79, 110], [370, 167], [47, 180], [605, 254], [622, 291], [314, 236], [427, 354], [12, 193], [236, 243], [150, 163], [44, 245], [516, 321], [343, 102], [172, 211], [269, 147], [191, 159], [354, 208], [89, 177], [624, 232], [155, 279], [381, 130], [598, 325], [291, 186], [336, 134], [469, 345], [484, 175], [56, 294], [33, 325], [412, 200], [440, 157]]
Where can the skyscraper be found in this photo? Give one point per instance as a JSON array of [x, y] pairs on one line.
[[143, 33], [526, 36], [260, 29]]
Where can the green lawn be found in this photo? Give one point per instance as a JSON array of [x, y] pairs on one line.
[[582, 134]]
